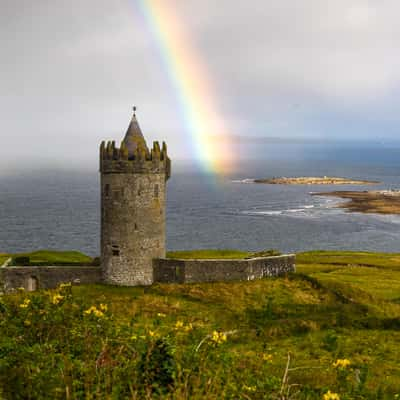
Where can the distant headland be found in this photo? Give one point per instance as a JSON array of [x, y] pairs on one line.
[[314, 180], [369, 202]]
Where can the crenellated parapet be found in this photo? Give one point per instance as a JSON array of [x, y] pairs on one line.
[[115, 159]]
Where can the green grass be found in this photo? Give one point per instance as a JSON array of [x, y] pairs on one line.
[[338, 305], [3, 258], [53, 257], [375, 273], [379, 260], [209, 254]]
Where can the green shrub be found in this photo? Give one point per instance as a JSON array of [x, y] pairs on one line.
[[22, 261]]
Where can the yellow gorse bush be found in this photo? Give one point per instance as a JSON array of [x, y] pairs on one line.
[[331, 396], [341, 363]]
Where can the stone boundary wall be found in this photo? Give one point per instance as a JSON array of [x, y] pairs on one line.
[[32, 278], [164, 271], [196, 270]]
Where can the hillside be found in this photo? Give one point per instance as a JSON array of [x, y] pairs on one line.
[[215, 340]]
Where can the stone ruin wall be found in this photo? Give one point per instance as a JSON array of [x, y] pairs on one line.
[[164, 270], [33, 278], [190, 271]]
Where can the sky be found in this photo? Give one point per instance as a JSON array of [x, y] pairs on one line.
[[277, 70]]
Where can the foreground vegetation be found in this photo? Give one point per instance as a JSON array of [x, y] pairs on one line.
[[329, 332]]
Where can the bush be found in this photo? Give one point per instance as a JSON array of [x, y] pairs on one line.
[[21, 261]]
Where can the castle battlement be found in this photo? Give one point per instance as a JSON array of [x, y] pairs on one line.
[[140, 161]]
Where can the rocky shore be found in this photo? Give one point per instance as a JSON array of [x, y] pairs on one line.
[[314, 180], [371, 202]]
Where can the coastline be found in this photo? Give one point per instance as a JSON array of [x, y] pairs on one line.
[[314, 180], [367, 202]]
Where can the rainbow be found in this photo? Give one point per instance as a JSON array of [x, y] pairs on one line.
[[197, 99]]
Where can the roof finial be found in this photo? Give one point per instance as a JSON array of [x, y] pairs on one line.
[[134, 111]]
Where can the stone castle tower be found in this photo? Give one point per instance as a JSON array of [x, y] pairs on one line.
[[133, 188]]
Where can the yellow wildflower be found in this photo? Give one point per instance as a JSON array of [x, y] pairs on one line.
[[152, 333], [98, 313], [161, 315], [331, 396], [179, 325], [249, 388], [27, 322], [65, 285], [267, 357], [218, 337], [103, 307], [56, 298], [25, 304], [188, 327], [341, 363], [93, 310], [133, 337]]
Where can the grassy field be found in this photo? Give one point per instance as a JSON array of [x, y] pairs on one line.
[[3, 258], [52, 257], [213, 340], [209, 253]]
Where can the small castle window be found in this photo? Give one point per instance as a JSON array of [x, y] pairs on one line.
[[136, 228], [156, 190], [107, 189], [115, 250]]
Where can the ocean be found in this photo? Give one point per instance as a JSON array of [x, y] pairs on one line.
[[59, 209]]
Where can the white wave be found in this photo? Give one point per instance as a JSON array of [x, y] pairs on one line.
[[295, 210], [247, 180], [262, 212]]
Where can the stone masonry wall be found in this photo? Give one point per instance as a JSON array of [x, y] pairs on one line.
[[189, 271], [132, 226], [164, 271], [32, 278]]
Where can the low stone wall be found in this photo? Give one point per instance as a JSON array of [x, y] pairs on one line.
[[32, 278], [164, 271], [187, 271]]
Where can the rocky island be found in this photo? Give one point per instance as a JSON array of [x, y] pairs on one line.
[[314, 180], [371, 202]]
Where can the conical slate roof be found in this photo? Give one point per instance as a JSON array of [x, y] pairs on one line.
[[134, 138]]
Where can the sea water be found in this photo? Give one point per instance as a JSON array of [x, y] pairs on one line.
[[59, 209]]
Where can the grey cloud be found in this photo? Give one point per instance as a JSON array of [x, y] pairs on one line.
[[71, 70]]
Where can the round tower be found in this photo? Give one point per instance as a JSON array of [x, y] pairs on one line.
[[133, 188]]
